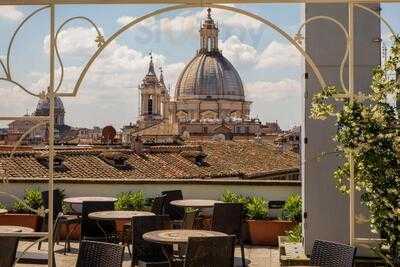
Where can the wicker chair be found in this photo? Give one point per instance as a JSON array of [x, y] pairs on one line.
[[156, 208], [158, 205], [99, 254], [41, 258], [97, 230], [187, 222], [210, 251], [189, 218], [8, 250], [331, 254], [175, 213], [228, 218], [147, 251], [57, 214]]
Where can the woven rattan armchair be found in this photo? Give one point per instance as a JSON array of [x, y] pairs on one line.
[[215, 251], [331, 254], [175, 213], [97, 230], [143, 250], [63, 219], [228, 218], [158, 205], [8, 250], [99, 254]]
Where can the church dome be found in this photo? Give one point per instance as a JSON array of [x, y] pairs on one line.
[[44, 105], [209, 75]]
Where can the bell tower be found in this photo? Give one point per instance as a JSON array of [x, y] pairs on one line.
[[152, 94], [209, 35]]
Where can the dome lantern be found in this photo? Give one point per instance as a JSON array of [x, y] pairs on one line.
[[208, 35]]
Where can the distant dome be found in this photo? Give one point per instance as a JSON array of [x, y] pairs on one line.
[[209, 75], [43, 109], [44, 104]]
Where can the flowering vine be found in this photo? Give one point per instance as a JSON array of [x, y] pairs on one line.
[[368, 130]]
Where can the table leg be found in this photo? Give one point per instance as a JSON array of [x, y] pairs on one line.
[[169, 254], [101, 228]]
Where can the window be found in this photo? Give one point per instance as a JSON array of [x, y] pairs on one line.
[[150, 105]]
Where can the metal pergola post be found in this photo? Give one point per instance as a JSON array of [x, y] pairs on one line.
[[351, 93], [51, 96]]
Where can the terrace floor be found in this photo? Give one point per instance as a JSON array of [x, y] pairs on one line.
[[256, 256]]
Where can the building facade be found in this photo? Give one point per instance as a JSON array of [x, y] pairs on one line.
[[16, 129], [209, 94]]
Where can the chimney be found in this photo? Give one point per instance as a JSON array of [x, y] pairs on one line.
[[138, 145], [43, 158], [197, 157], [116, 159]]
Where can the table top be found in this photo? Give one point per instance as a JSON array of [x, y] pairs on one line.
[[79, 200], [195, 203], [177, 236], [2, 211], [118, 214], [15, 229]]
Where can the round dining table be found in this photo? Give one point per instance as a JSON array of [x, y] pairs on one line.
[[2, 211], [80, 200], [15, 229], [118, 215], [195, 203], [177, 236]]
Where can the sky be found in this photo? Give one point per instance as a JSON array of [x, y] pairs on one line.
[[270, 68]]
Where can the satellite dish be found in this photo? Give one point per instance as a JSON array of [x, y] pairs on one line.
[[108, 134]]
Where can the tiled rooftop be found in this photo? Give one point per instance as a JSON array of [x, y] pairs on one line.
[[244, 159]]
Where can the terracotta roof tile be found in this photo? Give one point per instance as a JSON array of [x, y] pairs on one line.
[[246, 159]]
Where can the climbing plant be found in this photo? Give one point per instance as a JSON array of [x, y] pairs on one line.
[[368, 131]]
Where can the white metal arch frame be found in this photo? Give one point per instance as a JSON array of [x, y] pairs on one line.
[[52, 92]]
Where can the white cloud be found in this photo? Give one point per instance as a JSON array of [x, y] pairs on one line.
[[10, 13], [149, 23], [237, 51], [108, 94], [235, 20], [274, 91], [74, 41], [279, 55], [277, 101], [188, 23], [180, 24]]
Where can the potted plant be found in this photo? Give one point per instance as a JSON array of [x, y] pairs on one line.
[[129, 201], [22, 212], [257, 213], [291, 211], [264, 230]]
